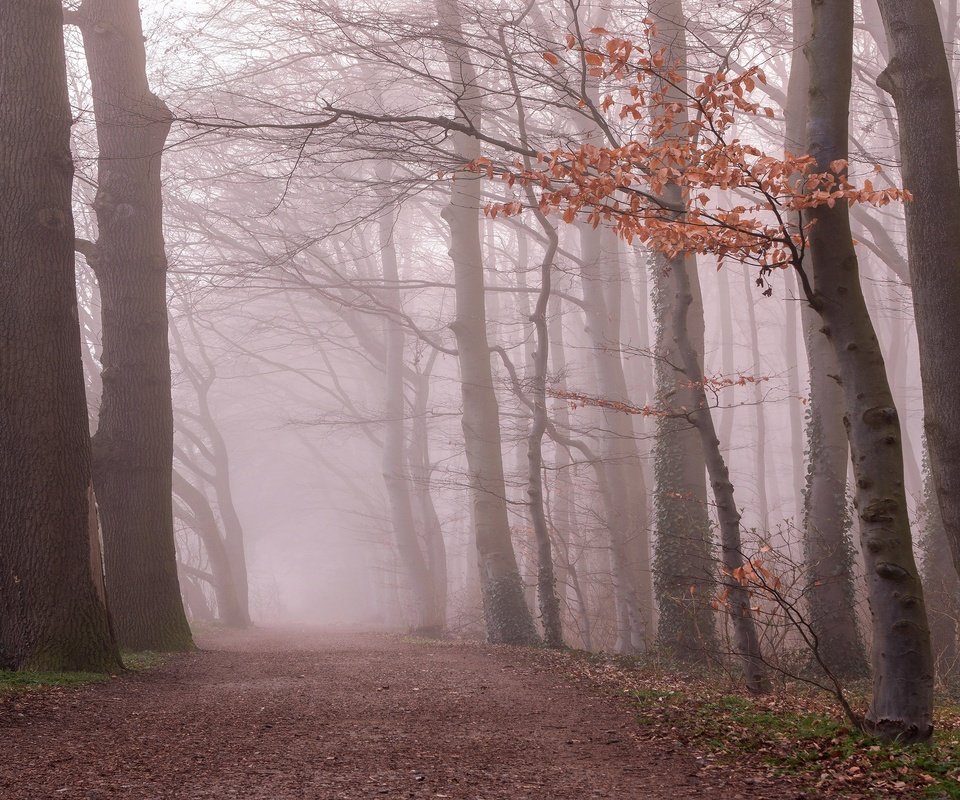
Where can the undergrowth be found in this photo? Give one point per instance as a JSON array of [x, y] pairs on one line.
[[795, 736]]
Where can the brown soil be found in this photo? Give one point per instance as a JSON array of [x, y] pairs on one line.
[[306, 714]]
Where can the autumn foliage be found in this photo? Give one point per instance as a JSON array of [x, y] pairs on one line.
[[683, 182]]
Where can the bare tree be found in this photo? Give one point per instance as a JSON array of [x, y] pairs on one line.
[[52, 618]]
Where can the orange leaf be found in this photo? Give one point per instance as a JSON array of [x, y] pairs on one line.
[[551, 58]]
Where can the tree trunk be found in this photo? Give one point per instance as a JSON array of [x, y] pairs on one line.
[[746, 639], [508, 618], [940, 584], [230, 609], [760, 445], [547, 600], [685, 568], [901, 706], [828, 549], [918, 78], [625, 518], [427, 617], [421, 474], [51, 618], [133, 446], [565, 507]]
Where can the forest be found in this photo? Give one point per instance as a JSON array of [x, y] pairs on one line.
[[343, 339]]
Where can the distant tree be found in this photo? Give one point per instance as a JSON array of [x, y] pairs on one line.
[[51, 617], [133, 445]]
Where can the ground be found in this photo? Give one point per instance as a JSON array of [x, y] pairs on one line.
[[308, 714]]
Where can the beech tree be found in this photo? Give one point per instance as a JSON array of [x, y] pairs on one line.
[[507, 615], [826, 520], [917, 76], [658, 193], [902, 704], [51, 616]]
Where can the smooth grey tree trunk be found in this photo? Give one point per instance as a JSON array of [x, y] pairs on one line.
[[828, 549], [685, 566], [508, 618], [901, 706], [918, 78]]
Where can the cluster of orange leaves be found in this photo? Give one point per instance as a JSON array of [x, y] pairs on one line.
[[753, 575], [683, 148]]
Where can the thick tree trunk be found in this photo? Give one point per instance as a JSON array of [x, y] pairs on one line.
[[828, 550], [507, 616], [133, 446], [901, 706], [50, 615], [427, 617], [685, 571], [918, 78]]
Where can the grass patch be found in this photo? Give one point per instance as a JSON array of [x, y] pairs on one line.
[[17, 682], [143, 660], [12, 683], [795, 738]]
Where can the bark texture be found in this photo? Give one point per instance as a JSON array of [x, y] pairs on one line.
[[133, 446], [901, 706], [746, 640], [918, 78], [51, 617], [508, 618], [828, 550], [685, 569]]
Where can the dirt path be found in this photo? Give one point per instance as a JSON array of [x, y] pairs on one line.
[[302, 714]]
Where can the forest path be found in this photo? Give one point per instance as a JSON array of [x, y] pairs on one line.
[[306, 714]]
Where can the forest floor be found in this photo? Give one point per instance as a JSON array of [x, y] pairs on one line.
[[307, 714]]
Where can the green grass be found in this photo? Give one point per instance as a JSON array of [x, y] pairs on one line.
[[18, 682], [807, 744]]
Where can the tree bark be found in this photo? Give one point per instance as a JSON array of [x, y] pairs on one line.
[[508, 618], [745, 636], [51, 618], [133, 446], [901, 707], [685, 569], [918, 78], [828, 549]]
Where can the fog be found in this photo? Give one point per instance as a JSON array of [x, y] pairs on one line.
[[308, 140]]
